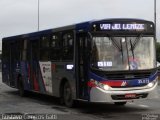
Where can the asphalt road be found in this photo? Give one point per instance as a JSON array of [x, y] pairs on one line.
[[12, 104]]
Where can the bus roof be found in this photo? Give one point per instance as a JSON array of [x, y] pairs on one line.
[[79, 26]]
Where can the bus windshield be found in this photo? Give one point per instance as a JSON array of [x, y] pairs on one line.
[[123, 53]]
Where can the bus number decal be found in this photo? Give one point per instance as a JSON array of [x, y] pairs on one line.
[[143, 81]]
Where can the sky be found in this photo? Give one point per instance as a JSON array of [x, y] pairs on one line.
[[21, 16]]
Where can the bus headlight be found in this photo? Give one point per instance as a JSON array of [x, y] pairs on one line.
[[102, 86], [106, 87], [151, 84]]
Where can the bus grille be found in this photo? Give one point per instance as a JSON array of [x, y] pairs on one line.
[[125, 75], [128, 76]]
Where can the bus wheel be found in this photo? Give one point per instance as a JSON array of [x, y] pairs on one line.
[[120, 103], [21, 87], [67, 95]]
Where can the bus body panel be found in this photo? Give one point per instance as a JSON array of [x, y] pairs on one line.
[[47, 76], [60, 73], [39, 80], [99, 95], [121, 88]]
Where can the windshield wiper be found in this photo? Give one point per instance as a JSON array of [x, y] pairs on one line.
[[133, 45], [132, 48], [115, 43], [120, 48], [136, 41], [122, 51]]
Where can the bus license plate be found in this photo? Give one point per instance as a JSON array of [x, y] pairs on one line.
[[130, 95]]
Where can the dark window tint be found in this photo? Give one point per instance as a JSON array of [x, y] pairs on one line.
[[55, 46], [67, 47], [35, 49], [44, 42]]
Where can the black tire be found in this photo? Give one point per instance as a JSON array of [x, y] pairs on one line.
[[67, 95], [21, 90], [120, 103]]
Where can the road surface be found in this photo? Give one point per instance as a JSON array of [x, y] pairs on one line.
[[12, 104]]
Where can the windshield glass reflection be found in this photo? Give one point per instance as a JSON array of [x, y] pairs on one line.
[[123, 53]]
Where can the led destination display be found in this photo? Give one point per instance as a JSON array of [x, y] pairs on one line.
[[118, 27], [122, 26]]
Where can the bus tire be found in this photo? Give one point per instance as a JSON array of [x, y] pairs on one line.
[[120, 103], [67, 95], [21, 90]]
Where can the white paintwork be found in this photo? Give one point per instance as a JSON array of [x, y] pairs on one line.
[[100, 95]]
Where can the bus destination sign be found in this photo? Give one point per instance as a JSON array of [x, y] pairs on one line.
[[123, 27]]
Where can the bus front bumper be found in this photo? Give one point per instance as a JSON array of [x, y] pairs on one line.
[[122, 95]]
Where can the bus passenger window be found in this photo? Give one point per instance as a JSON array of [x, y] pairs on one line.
[[24, 50], [6, 50], [55, 47], [44, 55], [68, 46], [44, 48], [54, 41], [45, 41], [35, 49]]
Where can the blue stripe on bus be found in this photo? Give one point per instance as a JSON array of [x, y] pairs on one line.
[[130, 83]]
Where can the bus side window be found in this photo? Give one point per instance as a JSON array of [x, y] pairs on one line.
[[15, 50], [24, 50], [44, 42], [68, 46], [35, 49], [55, 47], [6, 50], [44, 48]]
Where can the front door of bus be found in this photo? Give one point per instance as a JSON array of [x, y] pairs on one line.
[[82, 63]]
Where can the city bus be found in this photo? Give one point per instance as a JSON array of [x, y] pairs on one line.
[[102, 61]]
